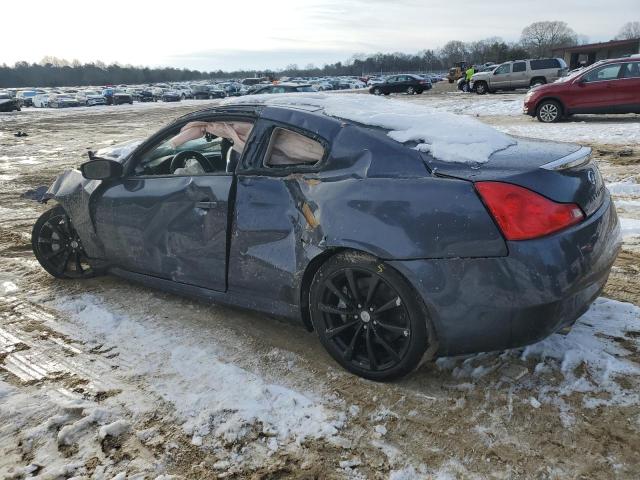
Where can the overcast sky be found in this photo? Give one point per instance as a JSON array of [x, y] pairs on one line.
[[228, 35]]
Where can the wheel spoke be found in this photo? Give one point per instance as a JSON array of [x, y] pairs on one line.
[[348, 353], [56, 230], [352, 286], [338, 293], [65, 261], [335, 310], [392, 328], [53, 253], [79, 268], [332, 332], [387, 347], [374, 281], [393, 303], [373, 364]]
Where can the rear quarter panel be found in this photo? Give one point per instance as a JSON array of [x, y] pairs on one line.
[[281, 224]]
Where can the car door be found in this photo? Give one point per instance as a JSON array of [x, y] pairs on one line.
[[628, 88], [501, 77], [519, 76], [271, 205], [390, 84], [172, 226], [595, 91]]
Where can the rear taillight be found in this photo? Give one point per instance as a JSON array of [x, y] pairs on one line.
[[522, 214]]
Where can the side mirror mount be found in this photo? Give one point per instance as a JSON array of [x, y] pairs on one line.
[[101, 169]]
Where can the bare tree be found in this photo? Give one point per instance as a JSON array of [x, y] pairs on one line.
[[540, 38], [453, 52], [628, 31]]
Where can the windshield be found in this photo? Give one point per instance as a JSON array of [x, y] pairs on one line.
[[571, 75]]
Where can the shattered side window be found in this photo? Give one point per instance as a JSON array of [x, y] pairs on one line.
[[287, 148]]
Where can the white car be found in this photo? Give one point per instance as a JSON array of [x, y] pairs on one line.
[[41, 100], [322, 85], [185, 92], [90, 98]]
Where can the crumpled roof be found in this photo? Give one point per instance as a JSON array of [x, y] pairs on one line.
[[446, 136]]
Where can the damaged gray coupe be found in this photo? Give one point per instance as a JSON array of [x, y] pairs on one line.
[[389, 253]]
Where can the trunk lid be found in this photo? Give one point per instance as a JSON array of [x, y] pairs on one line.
[[561, 172]]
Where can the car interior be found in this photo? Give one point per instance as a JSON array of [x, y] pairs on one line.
[[200, 148]]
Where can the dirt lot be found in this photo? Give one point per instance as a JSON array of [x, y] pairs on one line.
[[103, 378]]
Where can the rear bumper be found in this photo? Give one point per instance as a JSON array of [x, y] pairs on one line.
[[542, 286]]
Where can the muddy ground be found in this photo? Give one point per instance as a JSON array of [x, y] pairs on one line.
[[498, 415]]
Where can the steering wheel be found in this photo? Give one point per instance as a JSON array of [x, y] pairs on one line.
[[180, 159]]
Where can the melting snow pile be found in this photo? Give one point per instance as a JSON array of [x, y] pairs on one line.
[[629, 227], [446, 136], [624, 188], [597, 341], [210, 396]]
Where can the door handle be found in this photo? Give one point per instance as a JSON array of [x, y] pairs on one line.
[[206, 205]]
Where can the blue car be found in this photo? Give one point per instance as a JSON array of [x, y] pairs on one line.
[[393, 244]]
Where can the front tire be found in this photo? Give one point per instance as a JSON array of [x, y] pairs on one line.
[[549, 111], [57, 246], [368, 317], [481, 88], [377, 91], [410, 90]]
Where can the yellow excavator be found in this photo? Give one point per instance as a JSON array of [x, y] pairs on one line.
[[457, 72]]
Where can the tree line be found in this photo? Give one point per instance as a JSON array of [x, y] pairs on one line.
[[537, 40]]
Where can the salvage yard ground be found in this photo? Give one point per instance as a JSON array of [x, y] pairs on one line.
[[106, 379]]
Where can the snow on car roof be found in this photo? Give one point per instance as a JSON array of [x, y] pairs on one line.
[[446, 136]]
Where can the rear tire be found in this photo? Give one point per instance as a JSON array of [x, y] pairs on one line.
[[377, 91], [368, 317], [536, 82], [57, 246], [549, 111], [410, 90]]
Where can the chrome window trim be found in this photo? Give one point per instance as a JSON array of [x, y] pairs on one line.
[[575, 159]]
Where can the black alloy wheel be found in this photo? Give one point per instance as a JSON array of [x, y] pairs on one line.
[[58, 247], [368, 317]]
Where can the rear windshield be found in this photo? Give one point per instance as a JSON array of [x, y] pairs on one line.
[[545, 63]]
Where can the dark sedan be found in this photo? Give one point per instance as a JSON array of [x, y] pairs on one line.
[[390, 253], [409, 84], [171, 96], [8, 103]]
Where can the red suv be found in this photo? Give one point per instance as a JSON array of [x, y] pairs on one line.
[[609, 86]]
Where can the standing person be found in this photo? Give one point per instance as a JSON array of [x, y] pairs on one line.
[[468, 74]]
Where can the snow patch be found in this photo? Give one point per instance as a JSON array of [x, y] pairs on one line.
[[626, 187], [209, 395], [595, 343], [446, 136], [629, 227]]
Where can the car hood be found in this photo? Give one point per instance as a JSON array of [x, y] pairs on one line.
[[119, 152], [480, 75]]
